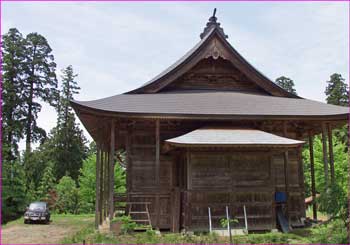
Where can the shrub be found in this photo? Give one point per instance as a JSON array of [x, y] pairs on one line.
[[68, 196]]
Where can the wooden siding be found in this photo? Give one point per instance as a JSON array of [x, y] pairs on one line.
[[211, 74], [193, 180]]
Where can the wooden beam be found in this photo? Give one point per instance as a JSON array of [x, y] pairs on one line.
[[188, 168], [111, 171], [128, 139], [105, 186], [101, 186], [325, 155], [157, 153], [157, 204], [330, 148], [312, 170], [98, 181], [286, 171], [301, 180], [107, 183]]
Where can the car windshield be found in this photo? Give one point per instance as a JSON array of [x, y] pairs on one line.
[[37, 206]]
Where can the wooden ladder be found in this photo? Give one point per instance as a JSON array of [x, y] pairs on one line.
[[145, 212]]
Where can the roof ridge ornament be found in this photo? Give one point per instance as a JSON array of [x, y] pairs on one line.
[[212, 23]]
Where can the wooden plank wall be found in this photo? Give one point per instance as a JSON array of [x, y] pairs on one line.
[[143, 184], [211, 74], [296, 183], [216, 179], [234, 179]]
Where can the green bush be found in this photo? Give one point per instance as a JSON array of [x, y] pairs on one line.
[[127, 224], [333, 201], [332, 233], [68, 196]]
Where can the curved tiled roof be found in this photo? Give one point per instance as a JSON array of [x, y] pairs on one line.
[[212, 103]]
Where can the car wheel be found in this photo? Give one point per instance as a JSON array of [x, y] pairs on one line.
[[25, 221]]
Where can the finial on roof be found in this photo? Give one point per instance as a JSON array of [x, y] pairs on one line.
[[214, 12], [212, 23]]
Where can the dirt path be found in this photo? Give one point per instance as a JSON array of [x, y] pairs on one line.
[[54, 232]]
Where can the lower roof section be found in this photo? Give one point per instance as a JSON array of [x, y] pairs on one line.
[[211, 104], [231, 137]]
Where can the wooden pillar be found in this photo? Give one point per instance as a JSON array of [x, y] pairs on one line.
[[313, 182], [301, 180], [98, 182], [105, 186], [157, 171], [111, 171], [330, 148], [273, 185], [286, 171], [101, 185], [188, 170], [157, 153], [325, 155], [128, 160], [175, 203]]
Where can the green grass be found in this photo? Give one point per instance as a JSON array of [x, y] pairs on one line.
[[320, 215], [71, 219], [334, 232]]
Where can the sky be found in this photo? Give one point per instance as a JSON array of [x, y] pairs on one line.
[[115, 47]]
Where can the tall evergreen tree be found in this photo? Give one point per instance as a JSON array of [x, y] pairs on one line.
[[47, 183], [13, 184], [337, 91], [13, 196], [13, 54], [287, 84], [40, 84], [69, 140]]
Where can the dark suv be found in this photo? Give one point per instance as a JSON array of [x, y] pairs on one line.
[[37, 211]]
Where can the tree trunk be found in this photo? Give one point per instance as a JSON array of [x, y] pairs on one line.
[[29, 119]]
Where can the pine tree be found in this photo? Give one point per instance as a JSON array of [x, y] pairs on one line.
[[13, 54], [337, 91], [40, 84], [287, 84], [47, 183], [31, 193], [69, 140], [13, 191]]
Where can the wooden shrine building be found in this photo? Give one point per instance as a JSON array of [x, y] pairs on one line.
[[209, 131]]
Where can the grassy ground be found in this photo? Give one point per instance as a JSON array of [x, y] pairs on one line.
[[60, 227], [69, 229], [334, 232]]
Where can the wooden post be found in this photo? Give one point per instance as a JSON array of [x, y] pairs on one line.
[[175, 198], [325, 156], [107, 182], [301, 180], [111, 172], [313, 182], [188, 167], [331, 156], [157, 153], [101, 185], [97, 201], [157, 172], [105, 186], [286, 171], [128, 138]]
